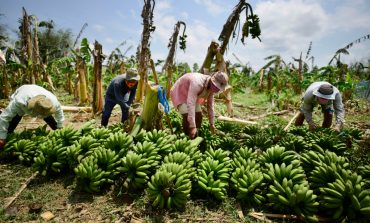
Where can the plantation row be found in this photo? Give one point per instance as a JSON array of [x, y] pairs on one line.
[[297, 172]]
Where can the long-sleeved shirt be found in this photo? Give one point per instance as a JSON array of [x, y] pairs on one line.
[[191, 88], [18, 106], [309, 102], [118, 90]]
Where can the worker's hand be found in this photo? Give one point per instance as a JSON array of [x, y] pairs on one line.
[[312, 126], [337, 127], [2, 143], [192, 133], [213, 129], [126, 106]]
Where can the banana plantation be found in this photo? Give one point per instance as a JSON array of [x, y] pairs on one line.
[[257, 166]]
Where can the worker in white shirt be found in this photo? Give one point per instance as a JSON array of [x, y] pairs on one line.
[[30, 100]]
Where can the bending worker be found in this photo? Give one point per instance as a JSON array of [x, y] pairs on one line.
[[30, 100], [191, 91], [122, 91], [330, 99]]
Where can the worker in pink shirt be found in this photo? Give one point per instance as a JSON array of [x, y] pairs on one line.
[[191, 91]]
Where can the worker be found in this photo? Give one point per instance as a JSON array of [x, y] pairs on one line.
[[191, 91], [330, 99], [30, 100], [122, 91]]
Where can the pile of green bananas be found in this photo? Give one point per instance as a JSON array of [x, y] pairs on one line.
[[170, 186], [248, 183], [135, 171], [66, 136], [213, 177], [346, 198], [89, 176], [298, 198]]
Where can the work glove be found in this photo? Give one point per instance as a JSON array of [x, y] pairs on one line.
[[337, 127], [312, 126], [193, 133], [2, 143]]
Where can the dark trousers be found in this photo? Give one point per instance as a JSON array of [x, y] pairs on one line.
[[107, 111], [326, 123], [15, 121]]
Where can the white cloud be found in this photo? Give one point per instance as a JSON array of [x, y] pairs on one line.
[[211, 6]]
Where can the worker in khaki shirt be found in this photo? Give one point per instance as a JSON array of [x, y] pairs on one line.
[[330, 99], [30, 100], [191, 91]]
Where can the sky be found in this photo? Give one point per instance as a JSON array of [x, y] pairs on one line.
[[287, 26]]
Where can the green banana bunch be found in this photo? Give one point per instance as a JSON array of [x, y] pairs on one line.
[[277, 155], [247, 184], [324, 174], [176, 122], [81, 149], [121, 142], [100, 134], [294, 143], [252, 130], [213, 177], [66, 136], [226, 143], [25, 149], [89, 176], [364, 171], [182, 159], [298, 198], [245, 157], [220, 155], [299, 131], [328, 142], [188, 147], [170, 186], [279, 172], [135, 171], [346, 198], [149, 151], [260, 141], [117, 127], [107, 160], [87, 127], [55, 156]]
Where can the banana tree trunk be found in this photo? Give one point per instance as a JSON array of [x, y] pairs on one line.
[[151, 116], [211, 52], [36, 54], [98, 88], [27, 45], [261, 80], [147, 15], [81, 69]]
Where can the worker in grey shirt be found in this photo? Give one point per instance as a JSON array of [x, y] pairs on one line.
[[30, 100], [330, 99]]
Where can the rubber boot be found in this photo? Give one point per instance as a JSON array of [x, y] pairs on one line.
[[198, 119], [185, 124], [299, 120], [328, 118]]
